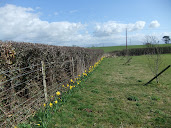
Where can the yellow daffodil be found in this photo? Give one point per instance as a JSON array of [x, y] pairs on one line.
[[85, 70], [38, 124], [56, 101], [50, 104], [51, 96], [71, 87], [67, 85], [15, 127], [72, 80], [58, 93], [44, 105], [63, 86], [84, 74]]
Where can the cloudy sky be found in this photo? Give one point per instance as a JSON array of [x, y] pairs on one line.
[[84, 22]]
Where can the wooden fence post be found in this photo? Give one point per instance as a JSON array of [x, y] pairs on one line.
[[44, 80], [73, 67]]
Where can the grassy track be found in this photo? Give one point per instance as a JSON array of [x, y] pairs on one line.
[[113, 96], [115, 48]]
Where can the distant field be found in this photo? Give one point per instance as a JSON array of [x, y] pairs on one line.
[[116, 48]]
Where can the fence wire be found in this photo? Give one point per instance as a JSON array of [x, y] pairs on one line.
[[22, 89]]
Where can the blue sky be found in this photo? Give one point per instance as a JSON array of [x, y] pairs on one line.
[[84, 23]]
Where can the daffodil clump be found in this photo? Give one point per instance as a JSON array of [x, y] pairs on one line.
[[74, 82], [67, 88]]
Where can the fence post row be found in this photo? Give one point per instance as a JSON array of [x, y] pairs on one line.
[[44, 80]]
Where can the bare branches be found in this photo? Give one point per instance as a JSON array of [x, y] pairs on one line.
[[153, 55], [21, 80]]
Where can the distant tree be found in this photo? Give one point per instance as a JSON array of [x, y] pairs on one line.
[[166, 39], [149, 41]]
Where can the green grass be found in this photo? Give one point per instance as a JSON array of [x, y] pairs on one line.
[[114, 96], [116, 48]]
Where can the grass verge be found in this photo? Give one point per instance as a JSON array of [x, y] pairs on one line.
[[114, 96]]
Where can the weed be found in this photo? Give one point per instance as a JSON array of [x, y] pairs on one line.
[[138, 104], [139, 80], [156, 98], [95, 91], [109, 91], [160, 120], [132, 98], [111, 98]]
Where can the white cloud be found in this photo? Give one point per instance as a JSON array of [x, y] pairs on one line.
[[137, 26], [112, 27], [154, 24], [22, 24]]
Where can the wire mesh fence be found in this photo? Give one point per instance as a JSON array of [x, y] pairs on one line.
[[24, 90]]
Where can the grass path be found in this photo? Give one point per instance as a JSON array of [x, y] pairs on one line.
[[113, 96]]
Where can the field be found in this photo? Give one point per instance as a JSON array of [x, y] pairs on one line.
[[116, 48], [114, 96]]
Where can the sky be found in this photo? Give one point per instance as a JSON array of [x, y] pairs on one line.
[[84, 23]]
